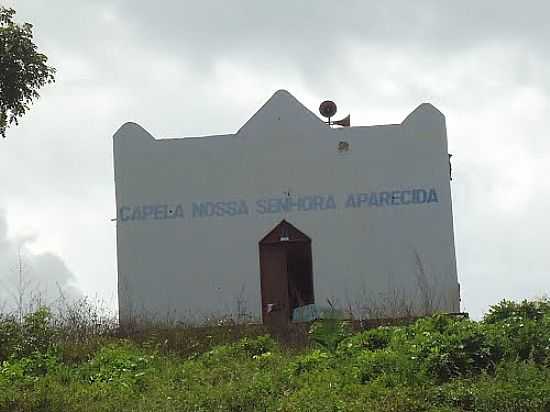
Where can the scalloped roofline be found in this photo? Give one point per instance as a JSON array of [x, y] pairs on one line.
[[280, 98]]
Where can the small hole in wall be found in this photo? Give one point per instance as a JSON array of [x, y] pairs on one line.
[[343, 147]]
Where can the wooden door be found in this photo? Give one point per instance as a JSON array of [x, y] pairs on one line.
[[285, 273], [274, 284]]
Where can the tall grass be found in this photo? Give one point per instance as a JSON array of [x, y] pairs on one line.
[[79, 360]]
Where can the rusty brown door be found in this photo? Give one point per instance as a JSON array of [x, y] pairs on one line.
[[274, 284], [285, 273]]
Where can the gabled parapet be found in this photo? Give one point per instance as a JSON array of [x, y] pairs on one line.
[[282, 112], [426, 120], [423, 111], [132, 131], [130, 144]]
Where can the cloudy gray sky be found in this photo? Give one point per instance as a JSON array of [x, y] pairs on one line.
[[193, 68]]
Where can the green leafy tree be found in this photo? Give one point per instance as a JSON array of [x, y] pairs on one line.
[[23, 70]]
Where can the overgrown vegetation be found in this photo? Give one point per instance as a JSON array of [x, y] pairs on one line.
[[439, 363]]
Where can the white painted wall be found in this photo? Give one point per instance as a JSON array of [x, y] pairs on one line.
[[193, 267]]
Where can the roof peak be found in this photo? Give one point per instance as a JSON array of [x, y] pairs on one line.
[[284, 110]]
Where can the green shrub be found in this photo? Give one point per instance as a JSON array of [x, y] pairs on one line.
[[123, 365], [523, 333], [507, 310], [389, 367], [373, 339], [38, 334], [255, 346], [463, 354], [10, 336], [461, 349], [514, 386], [310, 361], [28, 368], [35, 334], [327, 334]]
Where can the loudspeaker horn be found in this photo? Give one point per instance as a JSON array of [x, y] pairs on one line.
[[345, 122]]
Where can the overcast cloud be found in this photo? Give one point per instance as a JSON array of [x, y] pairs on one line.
[[193, 68], [35, 278]]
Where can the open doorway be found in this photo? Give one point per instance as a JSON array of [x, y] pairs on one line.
[[286, 273]]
